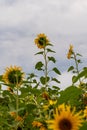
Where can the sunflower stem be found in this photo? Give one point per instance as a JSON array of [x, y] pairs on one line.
[[45, 59], [17, 98], [17, 102], [76, 62]]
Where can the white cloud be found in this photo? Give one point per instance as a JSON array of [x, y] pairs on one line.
[[64, 22], [65, 79]]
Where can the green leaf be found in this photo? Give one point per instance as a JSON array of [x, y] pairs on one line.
[[78, 54], [56, 87], [54, 79], [81, 74], [49, 50], [0, 77], [79, 61], [74, 79], [30, 107], [41, 52], [56, 70], [27, 82], [49, 44], [85, 68], [24, 90], [70, 68], [72, 96], [39, 65], [32, 75], [84, 126], [43, 80], [52, 59]]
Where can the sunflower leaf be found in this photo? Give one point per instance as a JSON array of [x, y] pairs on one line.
[[41, 52], [78, 54], [52, 59], [56, 70], [56, 80], [44, 80], [49, 44], [39, 65], [49, 50], [70, 68], [71, 95]]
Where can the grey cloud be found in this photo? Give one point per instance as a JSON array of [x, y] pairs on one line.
[[7, 2], [64, 22]]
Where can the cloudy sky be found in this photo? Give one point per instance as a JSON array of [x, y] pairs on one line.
[[63, 21]]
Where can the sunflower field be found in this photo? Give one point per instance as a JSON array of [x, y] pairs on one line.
[[35, 101]]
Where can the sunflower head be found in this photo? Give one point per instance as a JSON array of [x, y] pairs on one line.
[[41, 41], [13, 114], [70, 52], [10, 90], [39, 125], [45, 95], [13, 75], [65, 118], [19, 118], [36, 124]]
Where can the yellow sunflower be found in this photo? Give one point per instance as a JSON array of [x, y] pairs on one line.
[[50, 104], [13, 75], [65, 119], [36, 124], [13, 114], [70, 52], [41, 41], [85, 112], [10, 90]]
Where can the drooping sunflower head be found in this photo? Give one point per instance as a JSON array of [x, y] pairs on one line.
[[41, 41], [13, 75], [65, 119], [70, 52]]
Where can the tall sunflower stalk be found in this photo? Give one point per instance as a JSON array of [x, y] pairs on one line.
[[17, 86], [45, 65], [43, 43], [77, 64], [17, 97], [13, 77], [72, 55]]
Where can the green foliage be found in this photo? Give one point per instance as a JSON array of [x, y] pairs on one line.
[[72, 95], [70, 68], [52, 59], [82, 74], [84, 126], [56, 70], [39, 94], [43, 79], [39, 65]]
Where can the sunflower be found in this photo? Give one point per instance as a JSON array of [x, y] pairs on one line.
[[13, 114], [10, 90], [38, 124], [85, 112], [41, 41], [50, 104], [13, 75], [65, 119], [70, 52]]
